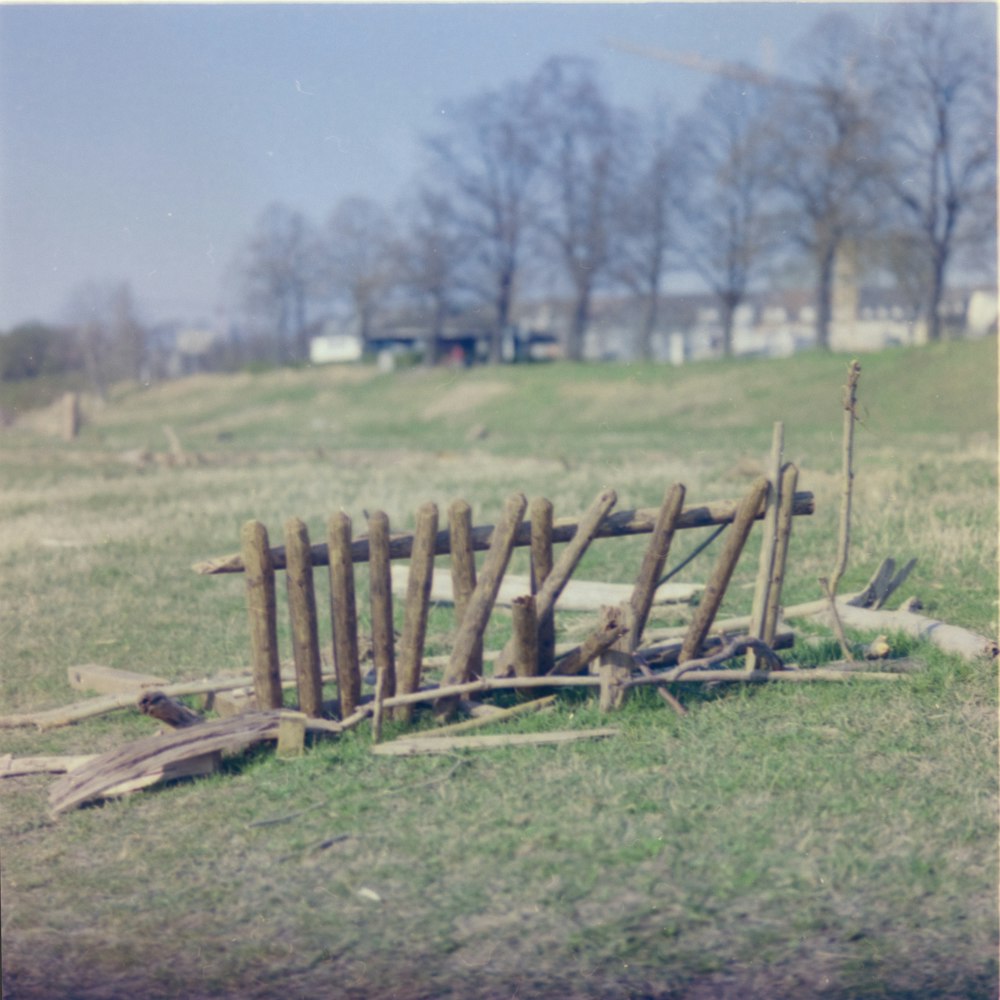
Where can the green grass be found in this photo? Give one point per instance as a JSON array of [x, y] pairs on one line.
[[798, 840]]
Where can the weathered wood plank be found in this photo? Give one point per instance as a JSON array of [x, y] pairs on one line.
[[449, 744], [577, 595], [109, 680]]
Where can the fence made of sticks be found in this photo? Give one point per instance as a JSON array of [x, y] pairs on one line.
[[531, 657]]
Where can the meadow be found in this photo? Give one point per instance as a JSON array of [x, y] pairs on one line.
[[782, 841]]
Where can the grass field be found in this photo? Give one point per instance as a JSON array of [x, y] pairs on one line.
[[786, 841]]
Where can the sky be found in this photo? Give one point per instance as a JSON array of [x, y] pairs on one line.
[[141, 143]]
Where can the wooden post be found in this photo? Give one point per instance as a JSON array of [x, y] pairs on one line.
[[480, 605], [525, 636], [302, 613], [568, 560], [463, 576], [540, 513], [291, 734], [850, 416], [418, 593], [262, 610], [715, 589], [653, 561], [789, 480], [71, 416], [380, 585], [768, 542], [343, 613]]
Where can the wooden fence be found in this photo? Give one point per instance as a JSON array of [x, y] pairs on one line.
[[531, 652]]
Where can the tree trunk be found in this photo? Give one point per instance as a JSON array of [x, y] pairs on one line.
[[824, 296], [649, 313], [936, 294], [578, 326]]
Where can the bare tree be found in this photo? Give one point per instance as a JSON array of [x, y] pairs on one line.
[[111, 338], [823, 146], [359, 258], [936, 79], [431, 256], [644, 218], [487, 161], [279, 267], [729, 232], [580, 133]]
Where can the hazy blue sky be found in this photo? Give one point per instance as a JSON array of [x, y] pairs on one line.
[[141, 142]]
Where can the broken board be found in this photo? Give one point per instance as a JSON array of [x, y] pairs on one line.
[[577, 595]]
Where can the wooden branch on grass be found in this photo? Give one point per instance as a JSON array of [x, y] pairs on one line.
[[449, 744], [638, 521], [950, 638], [500, 715], [611, 627], [16, 767]]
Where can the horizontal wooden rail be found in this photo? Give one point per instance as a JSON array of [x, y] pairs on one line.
[[640, 521]]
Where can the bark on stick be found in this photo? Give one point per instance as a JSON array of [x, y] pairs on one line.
[[262, 611]]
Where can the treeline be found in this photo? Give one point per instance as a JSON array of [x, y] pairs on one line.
[[880, 148], [883, 148]]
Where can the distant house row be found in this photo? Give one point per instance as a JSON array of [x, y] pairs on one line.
[[688, 328]]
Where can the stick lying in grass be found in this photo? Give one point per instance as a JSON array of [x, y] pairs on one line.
[[447, 744]]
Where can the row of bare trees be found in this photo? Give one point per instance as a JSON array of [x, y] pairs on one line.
[[888, 144]]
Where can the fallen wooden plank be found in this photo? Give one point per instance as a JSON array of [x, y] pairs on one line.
[[14, 767], [449, 744], [109, 680], [577, 595], [158, 758]]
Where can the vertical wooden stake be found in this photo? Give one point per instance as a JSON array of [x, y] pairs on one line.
[[540, 513], [789, 480], [768, 542], [262, 610], [850, 416], [380, 686], [302, 612], [383, 633], [477, 614], [291, 734], [343, 613], [653, 562], [525, 636], [463, 577], [418, 593], [715, 589]]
